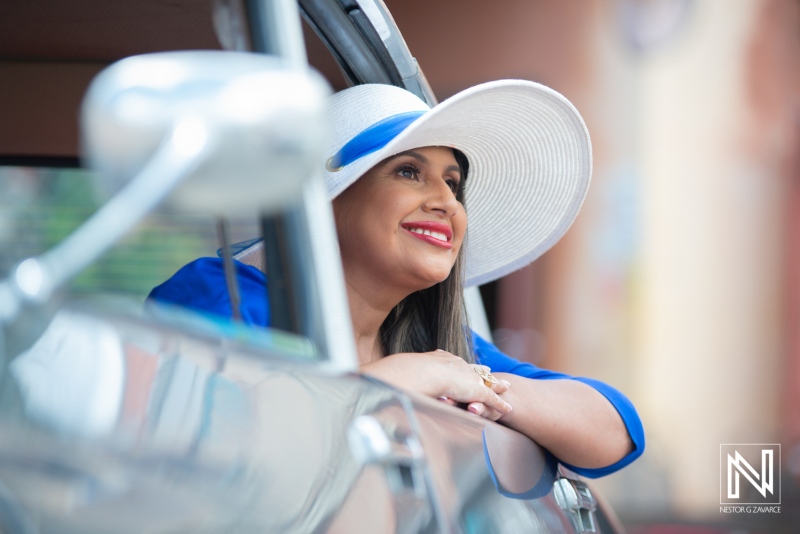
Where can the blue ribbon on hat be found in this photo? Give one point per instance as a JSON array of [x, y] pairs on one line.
[[372, 138]]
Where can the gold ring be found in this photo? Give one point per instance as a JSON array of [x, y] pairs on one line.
[[488, 378]]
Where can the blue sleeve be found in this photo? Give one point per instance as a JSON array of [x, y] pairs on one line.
[[200, 285], [487, 354]]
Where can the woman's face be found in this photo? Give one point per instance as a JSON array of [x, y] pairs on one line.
[[400, 223]]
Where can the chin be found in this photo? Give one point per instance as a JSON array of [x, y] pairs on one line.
[[423, 275], [432, 279]]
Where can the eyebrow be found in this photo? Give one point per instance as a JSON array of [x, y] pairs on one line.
[[423, 159]]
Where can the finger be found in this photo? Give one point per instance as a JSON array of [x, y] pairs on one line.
[[447, 400], [478, 408], [491, 381], [492, 415], [493, 401], [501, 386]]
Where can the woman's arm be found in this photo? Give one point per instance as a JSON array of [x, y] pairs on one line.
[[590, 426], [569, 418]]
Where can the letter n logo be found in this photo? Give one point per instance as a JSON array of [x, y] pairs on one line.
[[749, 466]]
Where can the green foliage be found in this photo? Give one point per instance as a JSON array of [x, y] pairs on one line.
[[40, 207]]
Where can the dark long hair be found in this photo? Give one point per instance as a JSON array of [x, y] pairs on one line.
[[436, 317]]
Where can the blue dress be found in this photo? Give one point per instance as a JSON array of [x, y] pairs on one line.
[[200, 285]]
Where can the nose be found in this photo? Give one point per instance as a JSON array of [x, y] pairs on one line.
[[440, 199]]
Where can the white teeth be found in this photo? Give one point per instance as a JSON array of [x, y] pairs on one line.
[[437, 235]]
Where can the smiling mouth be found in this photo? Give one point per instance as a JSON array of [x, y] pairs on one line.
[[434, 233], [438, 235]]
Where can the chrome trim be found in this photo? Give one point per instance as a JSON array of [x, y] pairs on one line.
[[413, 78]]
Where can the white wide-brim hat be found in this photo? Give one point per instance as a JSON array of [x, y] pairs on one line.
[[530, 160]]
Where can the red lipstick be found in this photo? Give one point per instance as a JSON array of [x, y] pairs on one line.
[[416, 229]]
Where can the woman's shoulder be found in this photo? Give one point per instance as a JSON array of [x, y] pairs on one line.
[[200, 285]]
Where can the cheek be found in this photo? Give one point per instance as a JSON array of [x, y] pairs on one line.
[[459, 226], [349, 228], [340, 216], [359, 229]]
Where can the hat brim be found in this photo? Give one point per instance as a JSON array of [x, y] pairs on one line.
[[530, 164]]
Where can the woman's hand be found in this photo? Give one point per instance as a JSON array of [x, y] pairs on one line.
[[440, 374]]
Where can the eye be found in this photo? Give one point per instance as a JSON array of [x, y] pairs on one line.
[[408, 171], [453, 184]]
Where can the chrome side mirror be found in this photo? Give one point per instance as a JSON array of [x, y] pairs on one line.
[[253, 124]]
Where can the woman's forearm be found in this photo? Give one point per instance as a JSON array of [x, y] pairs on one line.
[[569, 418]]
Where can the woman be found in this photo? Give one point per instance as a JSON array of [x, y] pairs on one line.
[[518, 156]]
